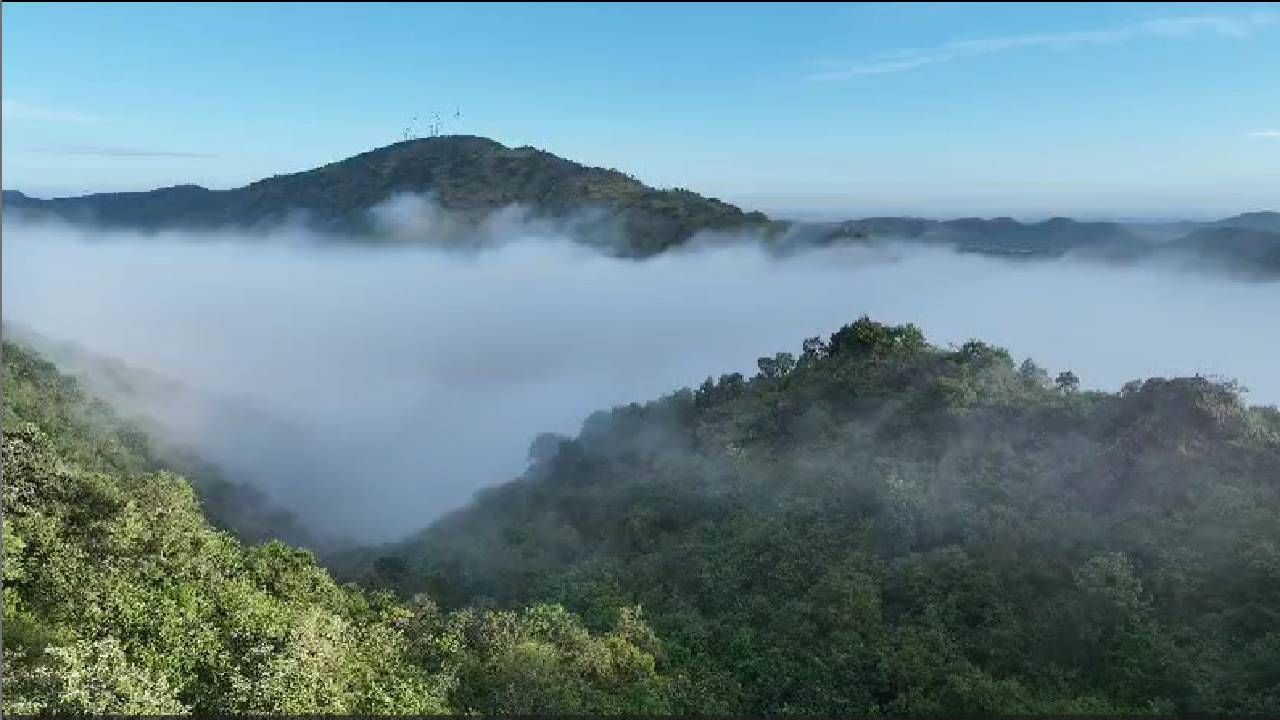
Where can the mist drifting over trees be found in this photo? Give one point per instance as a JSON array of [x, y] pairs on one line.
[[424, 371]]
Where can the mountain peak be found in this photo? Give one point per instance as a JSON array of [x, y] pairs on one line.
[[467, 174]]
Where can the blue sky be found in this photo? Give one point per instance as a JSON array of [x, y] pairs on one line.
[[1125, 110]]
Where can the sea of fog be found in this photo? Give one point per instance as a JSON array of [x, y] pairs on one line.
[[373, 389]]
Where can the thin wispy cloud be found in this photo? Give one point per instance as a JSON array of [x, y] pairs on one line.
[[120, 152], [17, 110], [1270, 134], [1231, 26]]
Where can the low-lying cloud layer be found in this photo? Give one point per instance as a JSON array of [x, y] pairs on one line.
[[371, 389]]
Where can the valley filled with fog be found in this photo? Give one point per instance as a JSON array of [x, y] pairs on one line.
[[373, 388]]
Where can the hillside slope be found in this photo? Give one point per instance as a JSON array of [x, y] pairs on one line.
[[1247, 251], [877, 525], [120, 598], [92, 433], [472, 176], [1265, 221]]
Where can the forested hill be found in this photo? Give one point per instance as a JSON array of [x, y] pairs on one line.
[[1246, 245], [878, 525], [873, 525], [120, 598], [472, 176], [1005, 236], [1265, 221], [88, 430], [1250, 250]]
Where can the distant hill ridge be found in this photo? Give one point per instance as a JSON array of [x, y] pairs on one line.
[[473, 176], [1266, 221], [1005, 235]]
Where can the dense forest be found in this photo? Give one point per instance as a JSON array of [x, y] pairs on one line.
[[120, 597], [871, 525], [877, 525]]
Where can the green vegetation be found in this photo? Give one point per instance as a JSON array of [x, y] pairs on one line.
[[85, 430], [477, 176], [119, 597], [873, 525], [470, 175], [878, 525]]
